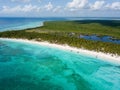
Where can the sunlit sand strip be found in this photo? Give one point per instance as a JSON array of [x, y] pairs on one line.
[[100, 55]]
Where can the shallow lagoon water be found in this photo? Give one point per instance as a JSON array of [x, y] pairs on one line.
[[25, 66], [103, 38]]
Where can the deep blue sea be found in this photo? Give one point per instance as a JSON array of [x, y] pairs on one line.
[[27, 66], [19, 23]]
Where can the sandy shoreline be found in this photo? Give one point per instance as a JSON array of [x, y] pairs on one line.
[[99, 55]]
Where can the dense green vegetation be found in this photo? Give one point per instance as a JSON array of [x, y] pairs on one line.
[[67, 32], [98, 27], [60, 39]]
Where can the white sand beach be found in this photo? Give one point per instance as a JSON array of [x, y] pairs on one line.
[[100, 55]]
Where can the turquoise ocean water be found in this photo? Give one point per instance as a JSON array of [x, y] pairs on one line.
[[26, 66]]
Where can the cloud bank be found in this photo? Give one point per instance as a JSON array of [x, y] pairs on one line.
[[74, 5]]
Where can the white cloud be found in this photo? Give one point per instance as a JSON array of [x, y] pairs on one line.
[[7, 9], [29, 8], [49, 6], [74, 5], [25, 8], [97, 5], [57, 9], [113, 6], [77, 4]]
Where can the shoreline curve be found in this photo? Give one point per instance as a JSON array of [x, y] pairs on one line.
[[99, 55]]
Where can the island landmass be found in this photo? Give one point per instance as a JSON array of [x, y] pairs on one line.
[[68, 32]]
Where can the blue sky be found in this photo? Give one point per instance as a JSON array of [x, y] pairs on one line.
[[59, 8]]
